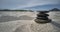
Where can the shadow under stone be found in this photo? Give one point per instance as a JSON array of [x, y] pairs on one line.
[[55, 24]]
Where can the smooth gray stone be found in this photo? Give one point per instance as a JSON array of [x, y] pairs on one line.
[[43, 11], [43, 18], [44, 15], [42, 21]]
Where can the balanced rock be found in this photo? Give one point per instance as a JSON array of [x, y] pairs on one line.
[[42, 17]]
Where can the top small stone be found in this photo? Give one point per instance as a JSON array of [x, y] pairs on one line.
[[43, 12]]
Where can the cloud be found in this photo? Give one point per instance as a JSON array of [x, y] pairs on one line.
[[37, 2], [20, 4]]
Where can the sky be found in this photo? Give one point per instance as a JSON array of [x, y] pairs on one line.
[[29, 4]]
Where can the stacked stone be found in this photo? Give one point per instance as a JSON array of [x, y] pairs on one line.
[[42, 17]]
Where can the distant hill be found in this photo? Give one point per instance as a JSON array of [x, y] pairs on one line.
[[55, 9], [16, 10]]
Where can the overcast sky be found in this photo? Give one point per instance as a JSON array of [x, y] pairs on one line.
[[29, 4]]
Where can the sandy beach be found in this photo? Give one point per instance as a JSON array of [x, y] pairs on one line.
[[24, 22]]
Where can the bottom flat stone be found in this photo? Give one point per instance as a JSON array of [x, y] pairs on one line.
[[42, 21]]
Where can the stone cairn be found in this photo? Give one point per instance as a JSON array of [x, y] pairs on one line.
[[42, 17]]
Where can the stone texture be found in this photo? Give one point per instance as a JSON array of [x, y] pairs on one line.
[[42, 17]]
